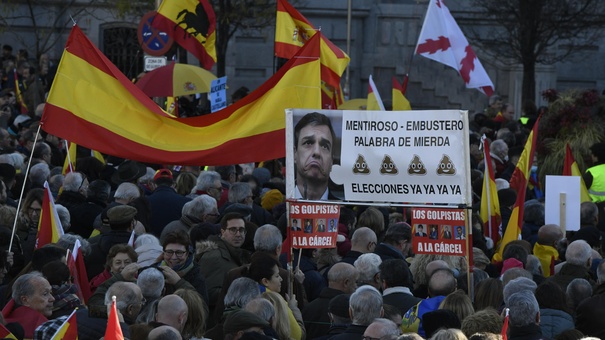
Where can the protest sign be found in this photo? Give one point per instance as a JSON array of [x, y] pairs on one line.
[[218, 94], [439, 231], [313, 225]]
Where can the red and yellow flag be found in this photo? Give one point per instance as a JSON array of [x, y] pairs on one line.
[[5, 333], [192, 24], [69, 329], [49, 228], [570, 168], [518, 182], [292, 30], [18, 94], [70, 160], [490, 205], [374, 100], [93, 104], [400, 102], [77, 268], [114, 330]]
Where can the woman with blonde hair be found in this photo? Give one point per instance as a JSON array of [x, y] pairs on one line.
[[196, 314], [281, 321], [459, 303], [449, 334], [185, 182]]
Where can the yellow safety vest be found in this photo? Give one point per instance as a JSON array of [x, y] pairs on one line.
[[597, 188]]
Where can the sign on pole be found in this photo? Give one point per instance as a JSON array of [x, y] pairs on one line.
[[439, 231], [151, 63], [313, 225], [218, 94]]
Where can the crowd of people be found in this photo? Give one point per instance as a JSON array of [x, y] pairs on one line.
[[211, 258]]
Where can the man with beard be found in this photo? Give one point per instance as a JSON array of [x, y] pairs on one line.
[[313, 156]]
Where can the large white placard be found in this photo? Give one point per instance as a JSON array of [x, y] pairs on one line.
[[569, 202], [412, 157]]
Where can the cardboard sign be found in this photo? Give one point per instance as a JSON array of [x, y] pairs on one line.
[[439, 231], [313, 225], [400, 157]]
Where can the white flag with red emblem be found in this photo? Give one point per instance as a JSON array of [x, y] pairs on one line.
[[442, 40]]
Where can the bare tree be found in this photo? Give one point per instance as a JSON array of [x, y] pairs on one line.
[[533, 32]]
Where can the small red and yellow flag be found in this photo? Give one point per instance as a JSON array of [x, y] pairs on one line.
[[49, 228]]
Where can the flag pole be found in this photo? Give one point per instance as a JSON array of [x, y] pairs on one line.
[[404, 85], [347, 89], [29, 162]]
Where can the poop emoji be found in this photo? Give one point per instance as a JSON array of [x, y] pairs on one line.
[[388, 167], [416, 167], [446, 167], [360, 166]]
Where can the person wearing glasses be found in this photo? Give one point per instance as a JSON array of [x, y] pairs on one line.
[[177, 259], [222, 253]]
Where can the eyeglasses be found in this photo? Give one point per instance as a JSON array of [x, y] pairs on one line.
[[178, 253], [234, 230]]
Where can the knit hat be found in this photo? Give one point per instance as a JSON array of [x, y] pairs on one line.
[[242, 320], [263, 175], [271, 198], [339, 305], [121, 214], [511, 263]]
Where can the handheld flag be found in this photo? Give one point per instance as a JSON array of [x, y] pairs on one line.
[[570, 168], [131, 239], [192, 24], [49, 228], [374, 100], [490, 204], [77, 268], [505, 326], [114, 330], [69, 329], [72, 153], [18, 94], [93, 104], [292, 31], [518, 182], [442, 40], [5, 333], [400, 102]]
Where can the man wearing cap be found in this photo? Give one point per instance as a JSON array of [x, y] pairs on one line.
[[121, 221], [241, 322], [166, 203]]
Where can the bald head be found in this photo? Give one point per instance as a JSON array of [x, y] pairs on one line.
[[549, 235], [434, 266], [164, 333], [362, 240], [343, 276], [442, 282], [172, 311]]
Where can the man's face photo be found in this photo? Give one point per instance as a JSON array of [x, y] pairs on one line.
[[313, 154]]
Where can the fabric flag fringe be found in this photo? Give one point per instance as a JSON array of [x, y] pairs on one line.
[[490, 204], [114, 330], [374, 99], [400, 102], [69, 329], [49, 228], [93, 104], [570, 168], [292, 30], [192, 24], [518, 182], [442, 40]]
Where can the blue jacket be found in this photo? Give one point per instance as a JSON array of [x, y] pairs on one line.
[[166, 206]]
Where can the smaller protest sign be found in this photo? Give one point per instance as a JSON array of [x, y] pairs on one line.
[[439, 231], [313, 225], [218, 94]]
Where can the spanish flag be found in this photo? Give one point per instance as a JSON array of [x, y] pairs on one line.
[[18, 94], [70, 160], [5, 333], [69, 329], [192, 24], [113, 330], [77, 268], [49, 228], [400, 102], [490, 205], [374, 100], [570, 168], [292, 30], [518, 182], [93, 104]]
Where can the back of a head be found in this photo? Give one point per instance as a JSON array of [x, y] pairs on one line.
[[362, 236], [533, 264], [381, 328], [459, 303], [601, 272], [164, 333], [368, 266], [99, 190], [550, 295], [486, 320], [172, 311], [534, 213], [449, 334], [515, 273], [589, 213], [397, 233], [395, 273], [517, 285], [261, 307], [365, 305], [523, 308], [549, 234], [578, 290], [371, 218], [73, 181], [517, 252], [241, 291], [485, 336], [439, 319], [442, 282], [341, 271], [578, 253], [489, 293], [127, 191], [267, 238], [507, 197], [126, 294], [151, 281]]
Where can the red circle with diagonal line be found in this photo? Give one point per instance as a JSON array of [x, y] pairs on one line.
[[153, 41]]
